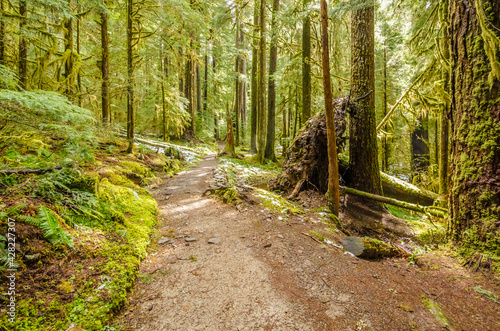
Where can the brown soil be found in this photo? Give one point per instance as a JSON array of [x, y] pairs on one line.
[[265, 274]]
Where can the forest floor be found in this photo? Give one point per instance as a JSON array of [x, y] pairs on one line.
[[217, 266]]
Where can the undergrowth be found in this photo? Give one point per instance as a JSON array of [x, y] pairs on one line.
[[81, 228]]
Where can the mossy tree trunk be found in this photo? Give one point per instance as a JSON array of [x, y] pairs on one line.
[[68, 51], [363, 156], [385, 140], [130, 77], [190, 92], [261, 134], [243, 87], [105, 97], [164, 62], [229, 148], [23, 46], [444, 122], [306, 65], [237, 82], [216, 116], [273, 56], [254, 81], [3, 60], [78, 52], [475, 123], [420, 154], [199, 92], [333, 194]]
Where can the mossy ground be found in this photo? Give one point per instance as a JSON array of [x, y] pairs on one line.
[[84, 287]]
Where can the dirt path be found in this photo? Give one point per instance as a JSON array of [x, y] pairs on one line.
[[263, 274]]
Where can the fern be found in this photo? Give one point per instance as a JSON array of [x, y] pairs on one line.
[[30, 220], [52, 229]]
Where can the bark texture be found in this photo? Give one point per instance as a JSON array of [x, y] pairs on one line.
[[420, 154], [3, 60], [271, 118], [363, 156], [105, 102], [306, 66], [261, 134], [23, 47], [254, 81], [333, 194], [475, 124], [130, 77], [68, 50]]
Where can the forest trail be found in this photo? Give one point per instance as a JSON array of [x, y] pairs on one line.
[[263, 273], [198, 285]]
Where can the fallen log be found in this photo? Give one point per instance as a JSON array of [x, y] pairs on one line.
[[30, 171], [400, 190], [430, 210]]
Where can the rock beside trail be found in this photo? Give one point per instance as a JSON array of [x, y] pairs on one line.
[[370, 248], [214, 241], [163, 240], [189, 240]]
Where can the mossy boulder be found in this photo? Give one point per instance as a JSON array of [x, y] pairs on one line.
[[370, 248]]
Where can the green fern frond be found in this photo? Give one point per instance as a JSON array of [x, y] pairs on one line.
[[30, 220], [52, 229]]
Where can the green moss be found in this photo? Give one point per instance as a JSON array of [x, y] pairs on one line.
[[436, 311], [276, 203], [229, 195], [403, 213], [490, 295], [376, 249], [132, 213], [136, 168]]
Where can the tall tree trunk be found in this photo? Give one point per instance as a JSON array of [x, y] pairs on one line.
[[261, 139], [3, 60], [273, 55], [243, 87], [105, 97], [444, 126], [297, 115], [164, 61], [68, 50], [181, 77], [333, 194], [216, 116], [237, 82], [385, 141], [436, 141], [229, 148], [254, 81], [130, 77], [363, 156], [199, 96], [475, 123], [306, 66], [190, 92], [23, 47], [78, 51], [205, 86], [420, 155]]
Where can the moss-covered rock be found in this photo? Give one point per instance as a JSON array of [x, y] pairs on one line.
[[276, 202]]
